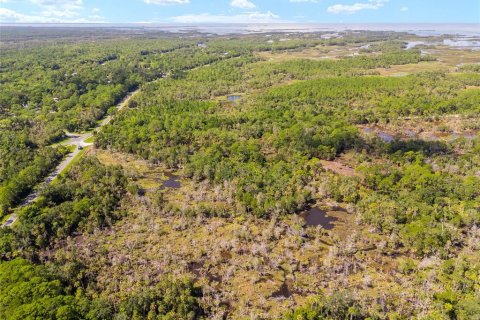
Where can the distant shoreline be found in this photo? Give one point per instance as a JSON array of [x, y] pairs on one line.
[[421, 29]]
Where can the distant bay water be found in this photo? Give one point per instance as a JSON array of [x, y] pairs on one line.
[[468, 30], [421, 29]]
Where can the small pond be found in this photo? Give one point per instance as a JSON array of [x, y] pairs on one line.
[[385, 136], [318, 217], [172, 182], [234, 98]]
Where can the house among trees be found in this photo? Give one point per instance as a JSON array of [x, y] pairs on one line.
[[202, 45]]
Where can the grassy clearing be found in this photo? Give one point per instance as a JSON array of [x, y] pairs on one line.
[[455, 56], [60, 143], [144, 174], [317, 53], [406, 69]]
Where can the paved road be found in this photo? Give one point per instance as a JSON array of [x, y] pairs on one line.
[[79, 142]]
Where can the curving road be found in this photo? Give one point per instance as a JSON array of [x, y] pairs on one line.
[[79, 142]]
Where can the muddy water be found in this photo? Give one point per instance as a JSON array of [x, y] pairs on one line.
[[318, 217], [385, 136], [173, 181], [233, 98]]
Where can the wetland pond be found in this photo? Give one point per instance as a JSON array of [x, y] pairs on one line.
[[172, 182], [318, 217], [385, 136], [233, 98]]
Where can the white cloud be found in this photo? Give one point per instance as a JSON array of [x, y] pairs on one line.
[[59, 8], [354, 8], [52, 11], [11, 16], [404, 9], [243, 4], [69, 5], [167, 2], [57, 2], [250, 17], [7, 15]]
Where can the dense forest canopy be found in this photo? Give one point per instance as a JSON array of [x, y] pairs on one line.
[[192, 198]]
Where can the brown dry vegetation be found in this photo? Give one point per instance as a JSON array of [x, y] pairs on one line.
[[257, 268], [339, 168], [446, 128], [254, 268], [248, 267]]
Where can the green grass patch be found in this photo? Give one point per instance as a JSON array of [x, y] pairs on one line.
[[60, 143]]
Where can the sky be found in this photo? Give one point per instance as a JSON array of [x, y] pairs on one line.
[[240, 11]]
